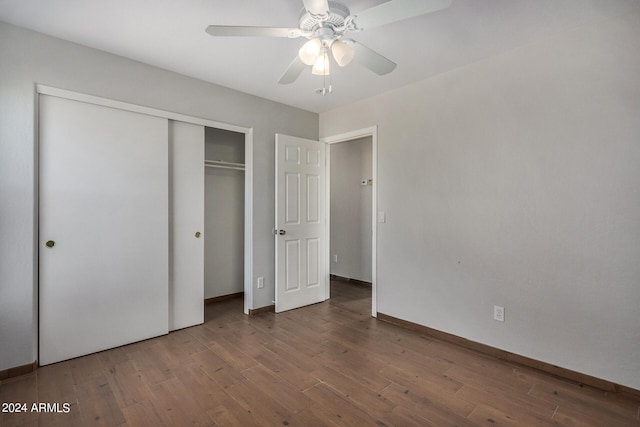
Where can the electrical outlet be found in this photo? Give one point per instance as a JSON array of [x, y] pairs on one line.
[[335, 258], [260, 282], [498, 313]]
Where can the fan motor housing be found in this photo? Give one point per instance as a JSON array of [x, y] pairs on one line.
[[334, 19]]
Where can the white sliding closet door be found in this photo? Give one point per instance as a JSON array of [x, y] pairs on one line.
[[103, 209], [186, 284]]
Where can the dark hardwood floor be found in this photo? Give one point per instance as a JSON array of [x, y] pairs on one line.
[[327, 364]]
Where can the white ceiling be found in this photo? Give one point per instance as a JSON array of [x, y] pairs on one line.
[[170, 34]]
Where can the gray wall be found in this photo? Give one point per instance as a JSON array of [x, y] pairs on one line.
[[516, 181], [351, 209], [29, 58]]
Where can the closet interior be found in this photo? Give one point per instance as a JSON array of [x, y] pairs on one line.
[[223, 213]]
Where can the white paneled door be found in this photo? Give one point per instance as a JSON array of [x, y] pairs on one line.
[[103, 231], [186, 219], [301, 276]]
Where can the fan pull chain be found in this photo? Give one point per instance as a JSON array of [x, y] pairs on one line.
[[325, 91]]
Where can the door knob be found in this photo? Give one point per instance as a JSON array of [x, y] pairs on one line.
[[197, 234], [50, 244], [282, 232]]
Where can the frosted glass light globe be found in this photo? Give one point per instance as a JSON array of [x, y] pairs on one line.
[[321, 66], [342, 52], [309, 51]]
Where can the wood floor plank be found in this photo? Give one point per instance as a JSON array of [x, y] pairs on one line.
[[96, 388], [253, 344], [151, 365], [291, 354], [20, 390], [363, 398], [231, 354], [309, 345], [429, 403], [310, 417], [311, 322], [55, 383], [291, 399], [485, 415], [250, 343], [218, 370], [592, 404], [128, 385], [201, 388], [329, 364], [85, 368], [180, 346], [101, 411], [401, 416], [71, 419], [566, 416], [260, 404], [112, 357], [524, 409], [406, 375], [358, 367], [204, 334], [143, 414], [506, 382], [341, 411], [285, 370], [348, 341], [174, 409], [232, 414]]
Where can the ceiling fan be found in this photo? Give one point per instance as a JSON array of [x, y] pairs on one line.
[[325, 23]]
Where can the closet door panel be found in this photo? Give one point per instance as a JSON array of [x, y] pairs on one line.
[[103, 232], [186, 154]]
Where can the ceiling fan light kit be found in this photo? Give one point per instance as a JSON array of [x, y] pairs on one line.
[[322, 64], [342, 52], [324, 23], [310, 51]]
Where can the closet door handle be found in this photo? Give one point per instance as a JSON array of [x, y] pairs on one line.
[[50, 244], [282, 232], [198, 234]]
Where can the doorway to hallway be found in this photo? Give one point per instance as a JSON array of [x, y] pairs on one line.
[[351, 202]]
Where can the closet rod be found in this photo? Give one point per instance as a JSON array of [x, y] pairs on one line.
[[223, 165]]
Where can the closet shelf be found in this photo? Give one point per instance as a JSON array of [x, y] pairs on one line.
[[223, 165]]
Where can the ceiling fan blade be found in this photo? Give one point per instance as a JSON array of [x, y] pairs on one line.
[[293, 71], [397, 10], [316, 7], [371, 59], [234, 31]]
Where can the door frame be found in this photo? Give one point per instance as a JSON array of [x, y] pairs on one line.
[[248, 174], [346, 137]]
